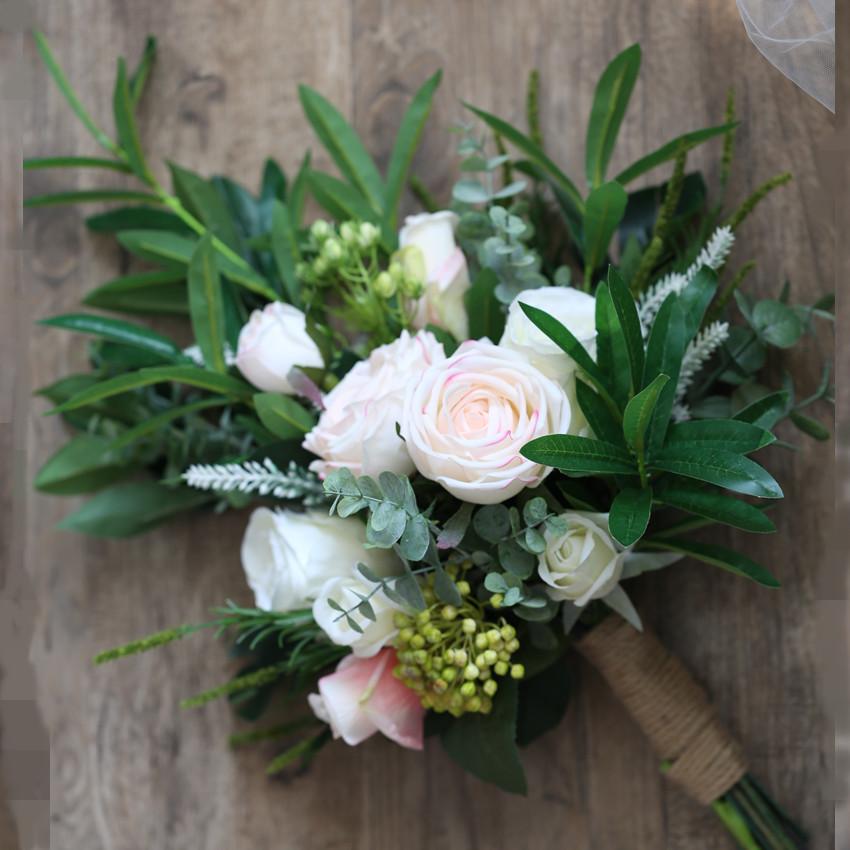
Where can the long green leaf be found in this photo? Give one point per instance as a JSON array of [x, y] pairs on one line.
[[730, 434], [695, 298], [341, 200], [200, 197], [283, 416], [486, 318], [765, 412], [285, 250], [205, 305], [602, 423], [638, 413], [139, 77], [611, 354], [579, 455], [117, 330], [156, 423], [37, 163], [606, 114], [132, 508], [190, 375], [70, 95], [146, 292], [665, 349], [669, 151], [718, 466], [137, 218], [84, 464], [564, 339], [696, 499], [535, 155], [125, 125], [627, 313], [344, 146], [405, 146], [603, 212], [87, 196], [295, 199], [629, 515], [718, 556]]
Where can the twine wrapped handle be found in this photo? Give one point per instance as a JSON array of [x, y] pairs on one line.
[[670, 707]]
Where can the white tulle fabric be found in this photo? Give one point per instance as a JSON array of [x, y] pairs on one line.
[[798, 38]]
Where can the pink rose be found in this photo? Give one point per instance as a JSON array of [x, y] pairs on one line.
[[363, 697], [357, 428], [467, 419]]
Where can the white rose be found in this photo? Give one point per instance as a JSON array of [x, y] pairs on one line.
[[347, 592], [446, 275], [273, 342], [576, 311], [288, 556], [357, 428], [469, 416], [582, 563]]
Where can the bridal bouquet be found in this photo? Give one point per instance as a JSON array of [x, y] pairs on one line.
[[466, 435]]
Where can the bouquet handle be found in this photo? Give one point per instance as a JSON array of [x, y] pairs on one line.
[[698, 753]]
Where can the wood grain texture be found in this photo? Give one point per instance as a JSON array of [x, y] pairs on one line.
[[129, 770]]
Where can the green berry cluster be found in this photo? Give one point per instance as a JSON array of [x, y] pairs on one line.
[[338, 250], [452, 656]]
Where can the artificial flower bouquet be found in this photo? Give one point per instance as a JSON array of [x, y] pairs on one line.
[[467, 436]]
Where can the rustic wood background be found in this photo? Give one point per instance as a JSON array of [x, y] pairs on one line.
[[129, 770]]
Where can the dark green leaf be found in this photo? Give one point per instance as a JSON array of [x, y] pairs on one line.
[[629, 515], [205, 305], [35, 163], [639, 412], [445, 588], [82, 465], [730, 434], [344, 146], [718, 556], [273, 183], [611, 354], [669, 151], [137, 218], [125, 125], [117, 331], [536, 156], [599, 418], [201, 198], [579, 455], [455, 527], [405, 146], [449, 343], [716, 466], [665, 349], [89, 196], [627, 314], [140, 76], [190, 375], [809, 426], [486, 318], [606, 114], [603, 212], [147, 292], [295, 200], [565, 340], [132, 508], [342, 201], [285, 250], [708, 503], [695, 298], [283, 416], [516, 561], [485, 744]]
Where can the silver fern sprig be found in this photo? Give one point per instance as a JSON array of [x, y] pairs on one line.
[[713, 255], [262, 477]]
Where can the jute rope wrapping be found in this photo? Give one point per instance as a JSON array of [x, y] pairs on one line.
[[668, 705]]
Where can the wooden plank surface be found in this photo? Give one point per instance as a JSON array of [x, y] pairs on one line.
[[128, 769]]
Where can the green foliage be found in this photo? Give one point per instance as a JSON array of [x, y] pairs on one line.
[[206, 307]]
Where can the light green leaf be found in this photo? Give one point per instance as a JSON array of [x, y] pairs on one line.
[[344, 146], [125, 125], [89, 196], [295, 199], [606, 114], [190, 375], [84, 464], [603, 212], [117, 330], [155, 423], [669, 151], [140, 76], [638, 413], [342, 201], [146, 292], [629, 515], [717, 466], [205, 305], [579, 455], [776, 324], [35, 163], [283, 416], [285, 250], [405, 146], [200, 197]]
